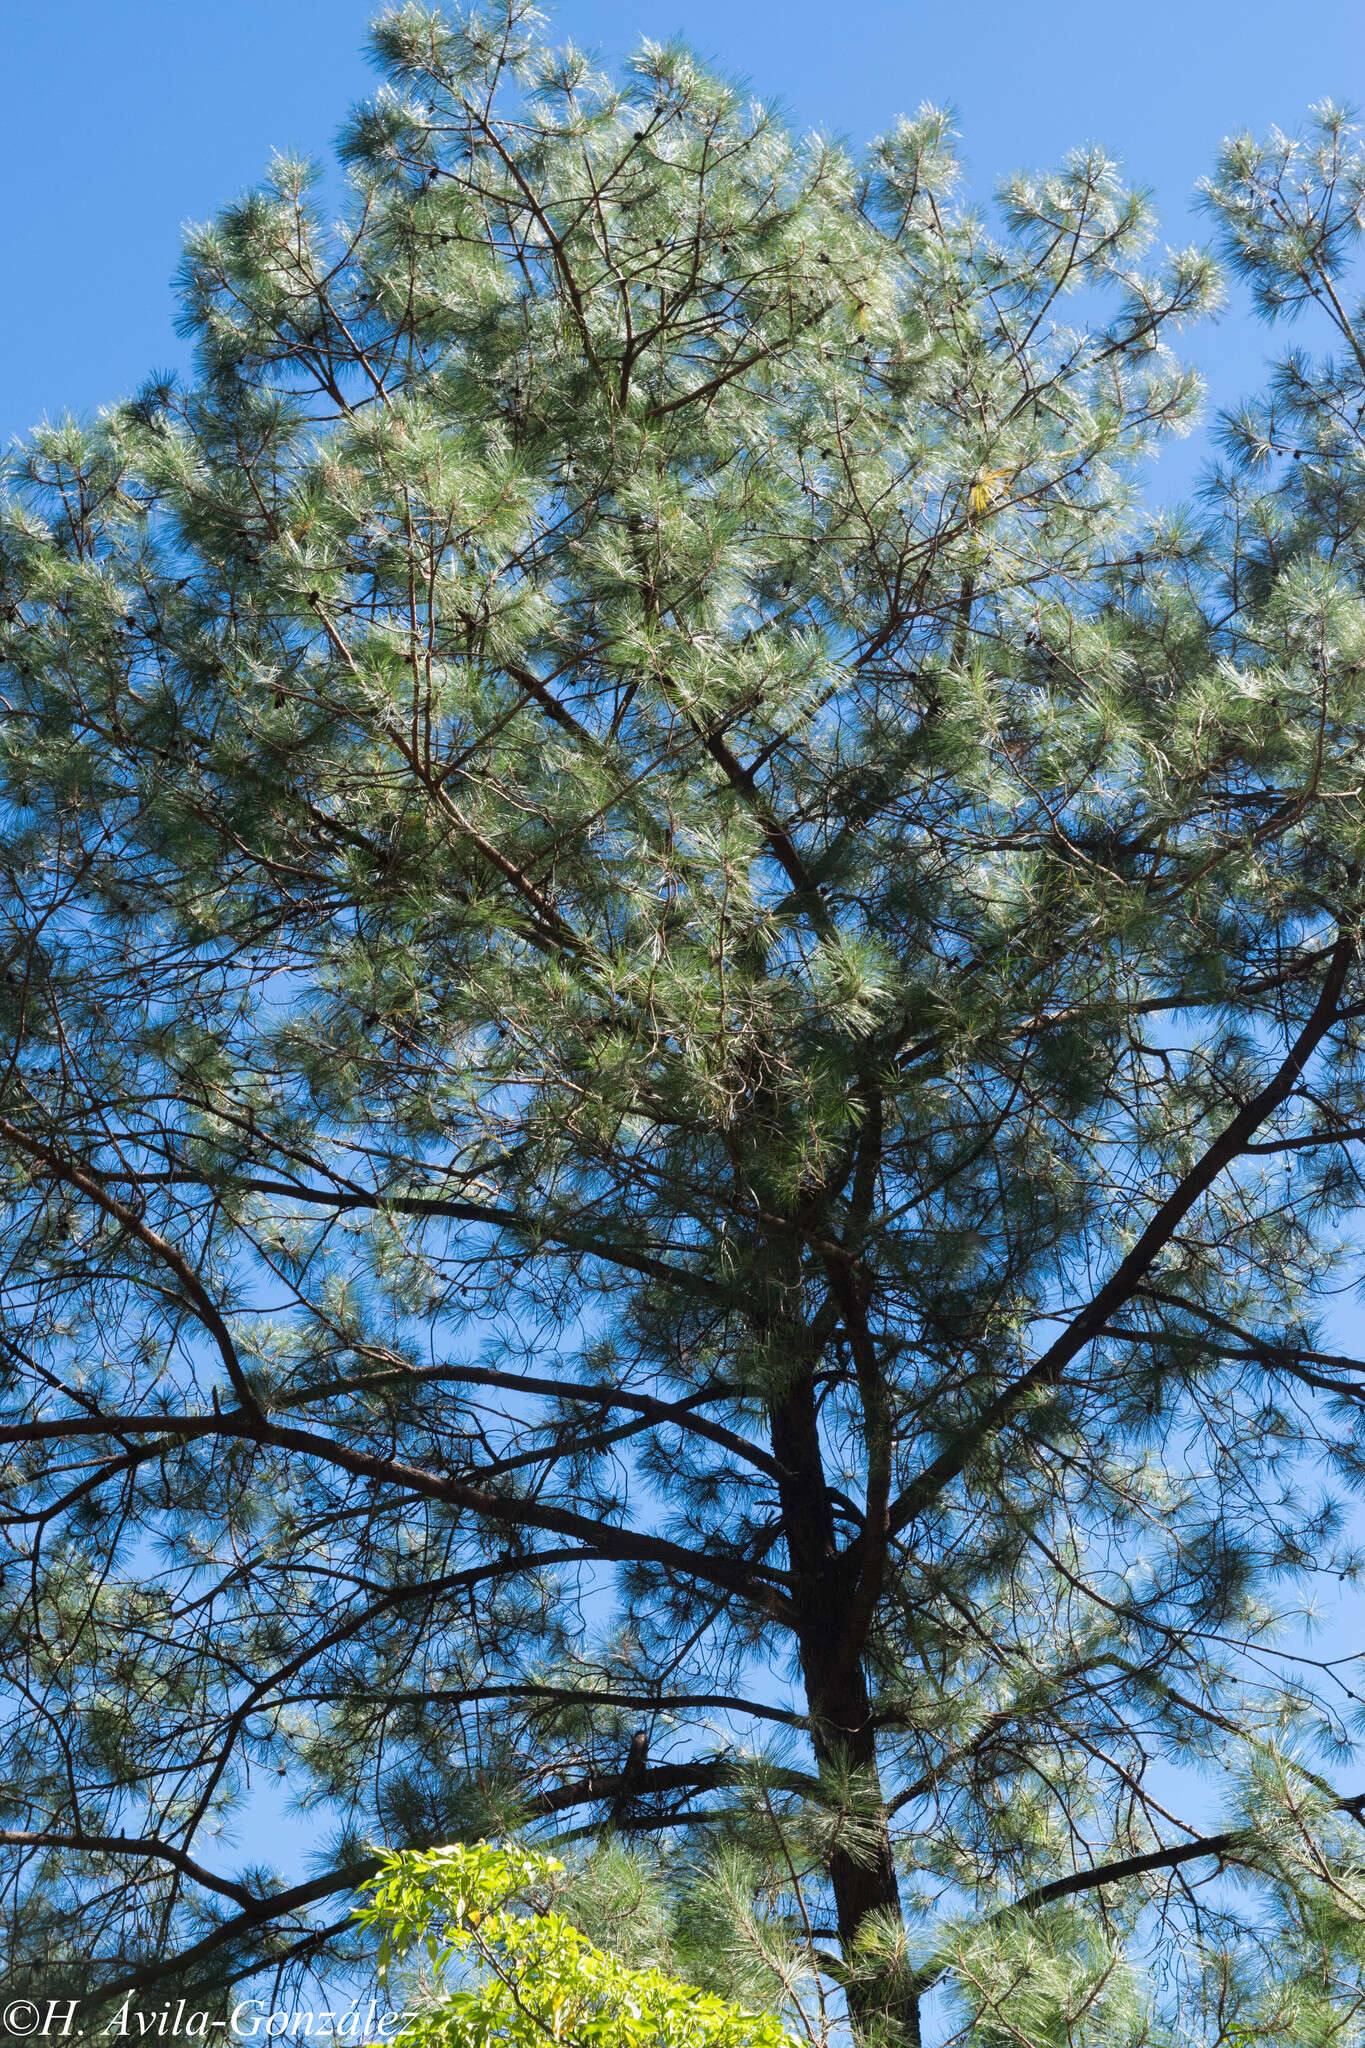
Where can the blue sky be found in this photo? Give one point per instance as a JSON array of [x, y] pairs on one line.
[[125, 119]]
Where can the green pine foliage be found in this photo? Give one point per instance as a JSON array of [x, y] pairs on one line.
[[682, 1074]]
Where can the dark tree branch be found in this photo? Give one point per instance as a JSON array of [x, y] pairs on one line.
[[144, 1848], [1229, 1145]]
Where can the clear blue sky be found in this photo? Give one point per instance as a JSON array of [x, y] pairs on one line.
[[124, 119]]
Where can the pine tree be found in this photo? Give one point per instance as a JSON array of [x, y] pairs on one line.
[[682, 1036]]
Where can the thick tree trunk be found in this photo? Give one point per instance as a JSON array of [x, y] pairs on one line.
[[864, 1884], [882, 2008]]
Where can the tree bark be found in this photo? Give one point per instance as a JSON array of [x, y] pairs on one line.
[[863, 1875]]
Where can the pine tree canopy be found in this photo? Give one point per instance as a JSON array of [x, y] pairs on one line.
[[683, 1074]]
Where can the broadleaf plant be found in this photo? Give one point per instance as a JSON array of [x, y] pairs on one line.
[[538, 1978]]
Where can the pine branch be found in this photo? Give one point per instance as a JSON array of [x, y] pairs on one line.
[[1048, 1370]]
